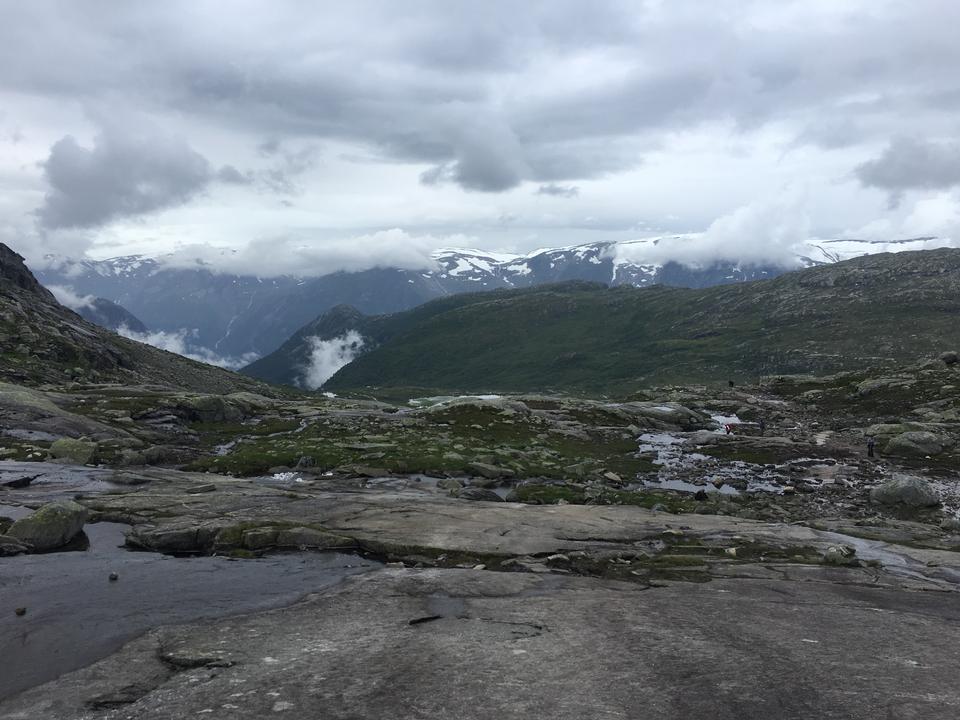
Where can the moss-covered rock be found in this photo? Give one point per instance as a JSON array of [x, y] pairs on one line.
[[80, 452], [51, 526]]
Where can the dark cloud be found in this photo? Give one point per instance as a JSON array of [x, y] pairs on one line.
[[910, 164], [491, 95], [123, 174], [566, 191]]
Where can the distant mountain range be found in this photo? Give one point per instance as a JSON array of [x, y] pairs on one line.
[[586, 337], [232, 319]]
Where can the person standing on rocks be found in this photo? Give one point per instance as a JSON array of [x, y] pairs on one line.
[[871, 444], [763, 426]]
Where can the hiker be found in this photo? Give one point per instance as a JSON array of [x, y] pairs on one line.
[[871, 444], [729, 428], [763, 426]]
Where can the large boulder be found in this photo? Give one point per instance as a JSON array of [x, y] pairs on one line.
[[669, 416], [914, 443], [905, 490], [51, 526]]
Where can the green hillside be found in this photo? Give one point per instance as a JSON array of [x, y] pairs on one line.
[[586, 337]]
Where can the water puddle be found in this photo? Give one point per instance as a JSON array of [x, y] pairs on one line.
[[76, 615]]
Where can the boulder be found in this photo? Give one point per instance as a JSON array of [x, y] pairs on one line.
[[79, 452], [51, 526], [475, 493], [905, 490], [914, 443], [669, 415], [950, 358]]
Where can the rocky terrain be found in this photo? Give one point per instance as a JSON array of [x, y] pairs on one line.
[[679, 551], [515, 529]]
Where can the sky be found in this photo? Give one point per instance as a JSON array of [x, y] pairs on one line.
[[326, 136]]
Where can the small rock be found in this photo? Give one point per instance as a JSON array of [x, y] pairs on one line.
[[950, 358], [20, 611], [114, 577]]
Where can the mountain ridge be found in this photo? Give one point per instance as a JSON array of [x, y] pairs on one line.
[[876, 309], [235, 315]]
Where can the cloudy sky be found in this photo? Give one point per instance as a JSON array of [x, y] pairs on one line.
[[356, 133]]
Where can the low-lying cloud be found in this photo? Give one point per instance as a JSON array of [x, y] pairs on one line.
[[328, 356], [181, 343], [68, 298], [772, 232], [273, 257]]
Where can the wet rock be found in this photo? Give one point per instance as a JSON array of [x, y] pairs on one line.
[[475, 493], [51, 526], [905, 490], [79, 452], [950, 358]]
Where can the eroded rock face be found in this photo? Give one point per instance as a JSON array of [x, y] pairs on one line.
[[905, 490], [51, 526]]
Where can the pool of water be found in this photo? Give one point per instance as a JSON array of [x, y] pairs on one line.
[[76, 615]]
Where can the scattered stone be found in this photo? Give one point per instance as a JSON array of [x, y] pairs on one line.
[[114, 577], [20, 611]]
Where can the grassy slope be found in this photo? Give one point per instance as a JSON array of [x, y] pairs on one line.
[[586, 338]]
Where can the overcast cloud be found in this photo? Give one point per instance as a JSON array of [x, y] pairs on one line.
[[147, 126]]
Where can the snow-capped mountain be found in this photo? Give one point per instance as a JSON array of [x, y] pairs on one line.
[[236, 317]]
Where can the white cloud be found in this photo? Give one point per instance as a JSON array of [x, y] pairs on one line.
[[68, 298], [328, 356], [179, 342], [935, 216], [769, 232], [270, 257]]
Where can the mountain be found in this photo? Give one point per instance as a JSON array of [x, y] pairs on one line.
[[42, 342], [585, 336], [109, 315], [233, 316]]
